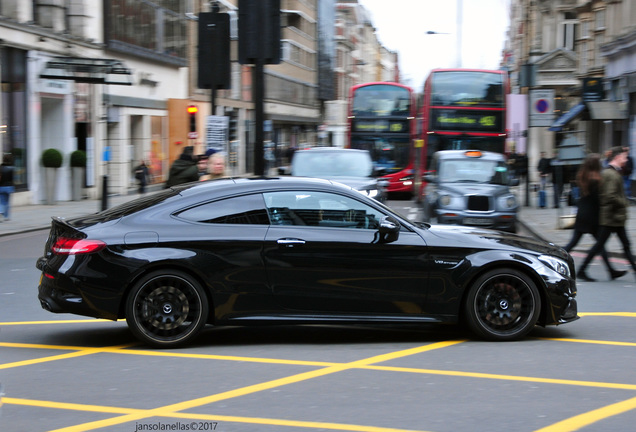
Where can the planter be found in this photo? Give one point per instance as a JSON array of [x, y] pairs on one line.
[[50, 179]]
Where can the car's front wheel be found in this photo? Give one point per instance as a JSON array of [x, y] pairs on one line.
[[166, 309], [503, 304]]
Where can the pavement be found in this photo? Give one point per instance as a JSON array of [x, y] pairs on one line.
[[546, 223]]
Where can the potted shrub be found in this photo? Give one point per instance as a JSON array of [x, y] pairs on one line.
[[78, 164], [51, 161]]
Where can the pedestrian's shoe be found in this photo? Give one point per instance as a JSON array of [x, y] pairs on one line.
[[585, 277], [615, 274]]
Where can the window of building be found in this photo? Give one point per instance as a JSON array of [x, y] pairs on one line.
[[600, 19], [13, 123], [585, 29], [599, 39], [150, 29], [291, 52], [568, 31], [283, 89], [296, 20], [583, 56]]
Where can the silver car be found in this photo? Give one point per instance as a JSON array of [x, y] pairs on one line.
[[471, 187], [351, 167]]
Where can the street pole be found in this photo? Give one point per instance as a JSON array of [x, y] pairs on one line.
[[460, 20], [259, 95]]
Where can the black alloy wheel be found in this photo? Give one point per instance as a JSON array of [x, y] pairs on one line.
[[502, 305], [166, 309]]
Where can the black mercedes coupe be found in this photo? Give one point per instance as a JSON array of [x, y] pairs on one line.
[[290, 250]]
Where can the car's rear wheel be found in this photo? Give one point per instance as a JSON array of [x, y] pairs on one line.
[[503, 304], [166, 309]]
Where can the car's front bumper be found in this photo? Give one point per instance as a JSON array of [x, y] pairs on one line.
[[505, 221]]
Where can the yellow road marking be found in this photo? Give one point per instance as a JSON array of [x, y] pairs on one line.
[[594, 384], [571, 424], [77, 353], [621, 314], [76, 321], [206, 417], [68, 406], [169, 410], [591, 341], [582, 420]]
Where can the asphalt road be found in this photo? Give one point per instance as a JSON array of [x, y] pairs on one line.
[[69, 373]]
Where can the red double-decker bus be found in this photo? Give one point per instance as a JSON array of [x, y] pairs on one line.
[[382, 120], [465, 109]]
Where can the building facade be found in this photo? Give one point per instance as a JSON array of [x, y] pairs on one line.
[[579, 50], [113, 78], [360, 58]]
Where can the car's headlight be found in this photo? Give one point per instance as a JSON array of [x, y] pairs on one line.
[[556, 264], [508, 202], [407, 180], [445, 200]]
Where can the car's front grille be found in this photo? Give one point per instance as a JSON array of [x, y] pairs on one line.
[[478, 203]]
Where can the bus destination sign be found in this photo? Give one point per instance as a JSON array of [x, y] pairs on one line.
[[467, 120], [385, 126]]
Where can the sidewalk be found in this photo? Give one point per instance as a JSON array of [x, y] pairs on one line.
[[545, 223], [36, 217], [554, 225]]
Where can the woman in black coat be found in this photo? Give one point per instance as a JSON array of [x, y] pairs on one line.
[[588, 178]]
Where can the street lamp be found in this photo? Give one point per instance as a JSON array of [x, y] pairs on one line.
[[460, 22]]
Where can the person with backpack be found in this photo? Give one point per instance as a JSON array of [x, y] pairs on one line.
[[141, 175]]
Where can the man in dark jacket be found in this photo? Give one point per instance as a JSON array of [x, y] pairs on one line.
[[613, 210], [184, 169]]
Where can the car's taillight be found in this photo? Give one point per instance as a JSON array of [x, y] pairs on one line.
[[69, 246]]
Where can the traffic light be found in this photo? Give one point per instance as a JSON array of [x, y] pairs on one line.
[[259, 31], [192, 114], [213, 53]]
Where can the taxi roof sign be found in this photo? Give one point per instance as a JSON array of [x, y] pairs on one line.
[[473, 153]]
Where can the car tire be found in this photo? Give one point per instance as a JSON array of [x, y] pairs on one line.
[[166, 309], [502, 305]]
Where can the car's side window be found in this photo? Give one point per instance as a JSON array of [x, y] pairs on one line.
[[322, 209], [246, 209]]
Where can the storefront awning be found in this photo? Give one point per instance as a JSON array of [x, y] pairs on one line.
[[566, 118], [87, 70], [606, 111]]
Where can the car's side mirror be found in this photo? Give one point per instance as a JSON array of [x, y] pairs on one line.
[[430, 178], [379, 171], [389, 230], [383, 183]]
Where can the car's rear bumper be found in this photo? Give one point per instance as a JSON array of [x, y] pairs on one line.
[[56, 300]]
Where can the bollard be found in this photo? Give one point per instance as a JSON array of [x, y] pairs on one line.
[[104, 192]]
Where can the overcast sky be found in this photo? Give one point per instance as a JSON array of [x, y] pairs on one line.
[[401, 26]]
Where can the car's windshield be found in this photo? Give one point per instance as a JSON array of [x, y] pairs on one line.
[[332, 164], [473, 170]]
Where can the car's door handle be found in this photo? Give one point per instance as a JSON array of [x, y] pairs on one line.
[[290, 242]]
